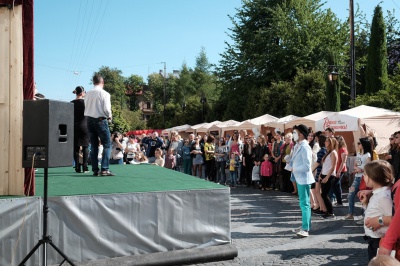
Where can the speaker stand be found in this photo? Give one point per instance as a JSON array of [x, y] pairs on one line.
[[46, 238]]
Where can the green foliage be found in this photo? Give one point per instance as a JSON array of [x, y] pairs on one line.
[[308, 93], [376, 71], [333, 87], [114, 84], [388, 98], [118, 121], [393, 42], [133, 84], [272, 40], [275, 100], [134, 119], [332, 96], [276, 62]]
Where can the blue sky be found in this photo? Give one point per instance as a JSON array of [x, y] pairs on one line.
[[75, 38]]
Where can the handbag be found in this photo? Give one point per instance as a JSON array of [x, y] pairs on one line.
[[255, 174]]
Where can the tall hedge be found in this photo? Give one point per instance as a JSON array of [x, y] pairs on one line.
[[376, 71]]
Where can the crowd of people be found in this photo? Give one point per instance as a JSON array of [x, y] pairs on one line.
[[303, 163]]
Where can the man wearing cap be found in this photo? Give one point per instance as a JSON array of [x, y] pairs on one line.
[[81, 135], [98, 112], [301, 170]]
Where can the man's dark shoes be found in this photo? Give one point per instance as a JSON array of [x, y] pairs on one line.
[[95, 173], [106, 173]]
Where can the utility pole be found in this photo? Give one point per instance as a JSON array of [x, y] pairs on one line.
[[352, 56]]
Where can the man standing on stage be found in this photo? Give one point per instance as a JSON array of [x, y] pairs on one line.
[[98, 112]]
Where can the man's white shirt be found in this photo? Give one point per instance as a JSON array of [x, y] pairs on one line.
[[98, 103]]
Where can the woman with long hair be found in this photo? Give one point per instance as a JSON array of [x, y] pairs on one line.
[[221, 155], [319, 205], [363, 157], [392, 148], [341, 169], [287, 149], [313, 140], [197, 156], [209, 150], [328, 173], [248, 159], [260, 150]]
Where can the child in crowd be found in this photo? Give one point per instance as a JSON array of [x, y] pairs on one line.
[[266, 170], [139, 158], [233, 164], [159, 159], [377, 175], [170, 160]]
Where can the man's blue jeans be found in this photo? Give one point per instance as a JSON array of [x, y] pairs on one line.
[[98, 129]]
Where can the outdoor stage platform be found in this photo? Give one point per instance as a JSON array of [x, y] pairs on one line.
[[143, 209]]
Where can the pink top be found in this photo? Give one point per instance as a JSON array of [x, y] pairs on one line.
[[266, 168], [235, 147]]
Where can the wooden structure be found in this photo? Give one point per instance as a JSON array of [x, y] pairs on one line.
[[11, 100]]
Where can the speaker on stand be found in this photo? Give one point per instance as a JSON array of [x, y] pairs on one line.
[[48, 139]]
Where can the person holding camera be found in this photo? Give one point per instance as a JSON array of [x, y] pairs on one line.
[[118, 147], [152, 143], [98, 113]]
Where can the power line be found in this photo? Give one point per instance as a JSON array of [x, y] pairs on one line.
[[395, 4]]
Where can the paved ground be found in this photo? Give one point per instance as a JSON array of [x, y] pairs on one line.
[[262, 224]]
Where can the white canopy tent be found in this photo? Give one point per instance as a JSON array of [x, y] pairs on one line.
[[255, 122], [166, 131], [220, 127], [179, 129], [192, 129], [281, 122], [206, 128], [309, 120], [362, 120]]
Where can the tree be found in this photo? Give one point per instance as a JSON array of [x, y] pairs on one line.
[[393, 42], [333, 88], [308, 95], [272, 40], [388, 98], [114, 84], [133, 84], [376, 70], [118, 121]]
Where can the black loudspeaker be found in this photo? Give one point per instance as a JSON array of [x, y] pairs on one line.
[[48, 133]]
